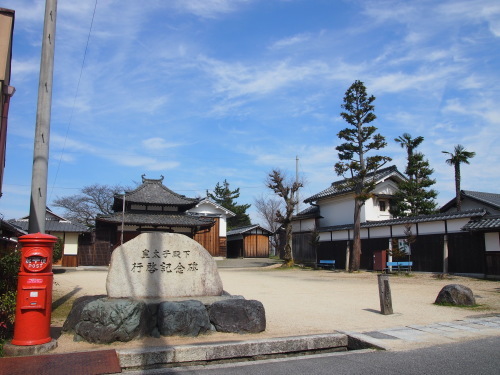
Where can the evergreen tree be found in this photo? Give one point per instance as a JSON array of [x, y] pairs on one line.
[[353, 154], [457, 157], [225, 197], [414, 196]]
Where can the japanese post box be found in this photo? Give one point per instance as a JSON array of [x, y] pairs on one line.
[[34, 290]]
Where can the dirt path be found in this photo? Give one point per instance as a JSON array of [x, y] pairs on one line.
[[301, 302]]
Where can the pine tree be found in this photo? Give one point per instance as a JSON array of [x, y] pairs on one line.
[[353, 154], [414, 196], [225, 197]]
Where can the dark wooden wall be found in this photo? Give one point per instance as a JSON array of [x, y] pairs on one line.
[[466, 253]]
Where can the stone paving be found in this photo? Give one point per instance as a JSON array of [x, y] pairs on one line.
[[413, 336]]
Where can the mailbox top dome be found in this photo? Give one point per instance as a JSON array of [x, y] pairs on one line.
[[38, 238]]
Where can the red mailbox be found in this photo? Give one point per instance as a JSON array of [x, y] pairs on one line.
[[34, 290]]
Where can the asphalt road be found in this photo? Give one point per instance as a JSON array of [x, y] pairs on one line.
[[470, 357]]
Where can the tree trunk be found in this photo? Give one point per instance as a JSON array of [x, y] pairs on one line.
[[288, 254], [457, 186], [355, 259]]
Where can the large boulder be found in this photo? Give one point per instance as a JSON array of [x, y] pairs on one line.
[[75, 315], [456, 294], [184, 318], [161, 266], [106, 320], [238, 316]]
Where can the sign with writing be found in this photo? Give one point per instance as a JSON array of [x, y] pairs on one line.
[[162, 265]]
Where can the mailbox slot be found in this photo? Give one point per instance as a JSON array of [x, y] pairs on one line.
[[33, 297], [36, 259]]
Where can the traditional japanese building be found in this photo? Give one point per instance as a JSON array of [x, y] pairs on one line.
[[153, 207]]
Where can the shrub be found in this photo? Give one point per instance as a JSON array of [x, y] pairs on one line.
[[9, 268], [58, 251]]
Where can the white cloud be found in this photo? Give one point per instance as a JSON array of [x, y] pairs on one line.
[[235, 80], [209, 8], [24, 69], [144, 162], [158, 143], [291, 41]]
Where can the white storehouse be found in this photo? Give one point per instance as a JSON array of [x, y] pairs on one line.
[[450, 241]]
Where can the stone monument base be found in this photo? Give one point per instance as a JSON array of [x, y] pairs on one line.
[[100, 319]]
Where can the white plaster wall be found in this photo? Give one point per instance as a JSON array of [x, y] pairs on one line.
[[432, 227], [398, 231], [71, 244], [209, 209], [341, 235], [492, 241], [223, 226], [380, 232], [456, 225], [337, 211], [306, 225], [324, 236]]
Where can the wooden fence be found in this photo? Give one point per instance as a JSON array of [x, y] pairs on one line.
[[466, 252]]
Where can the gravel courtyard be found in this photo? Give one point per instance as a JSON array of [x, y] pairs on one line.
[[302, 302]]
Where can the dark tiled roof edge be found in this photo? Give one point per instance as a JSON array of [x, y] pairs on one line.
[[411, 220], [333, 189], [483, 224], [245, 229]]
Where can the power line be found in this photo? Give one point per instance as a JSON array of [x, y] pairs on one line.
[[74, 99]]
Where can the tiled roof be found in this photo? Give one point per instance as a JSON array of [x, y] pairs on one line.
[[412, 219], [483, 224], [153, 192], [308, 213], [160, 219], [7, 226], [53, 226], [246, 229], [338, 187], [489, 199], [228, 213]]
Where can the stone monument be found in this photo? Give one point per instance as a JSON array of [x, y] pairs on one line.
[[162, 284], [162, 265]]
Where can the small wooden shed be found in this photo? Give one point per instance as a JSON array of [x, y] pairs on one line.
[[251, 241]]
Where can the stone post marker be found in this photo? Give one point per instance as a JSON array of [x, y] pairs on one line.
[[384, 291], [162, 265]]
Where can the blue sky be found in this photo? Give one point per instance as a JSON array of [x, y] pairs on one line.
[[200, 91]]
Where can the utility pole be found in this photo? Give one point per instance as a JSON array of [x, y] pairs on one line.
[[38, 202], [297, 207]]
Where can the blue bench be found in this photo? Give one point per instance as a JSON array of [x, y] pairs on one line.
[[327, 264], [399, 266]]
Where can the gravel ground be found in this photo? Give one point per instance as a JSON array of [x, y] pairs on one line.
[[301, 302]]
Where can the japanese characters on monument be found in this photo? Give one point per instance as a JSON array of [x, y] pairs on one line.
[[165, 261]]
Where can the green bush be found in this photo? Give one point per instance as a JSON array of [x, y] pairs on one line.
[[9, 268], [58, 251]]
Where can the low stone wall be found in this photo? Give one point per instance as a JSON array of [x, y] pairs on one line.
[[100, 319]]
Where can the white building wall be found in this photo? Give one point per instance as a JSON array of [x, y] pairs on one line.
[[432, 227], [306, 225], [378, 232], [456, 225], [337, 211], [210, 209], [222, 226], [71, 244], [341, 235], [492, 241]]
